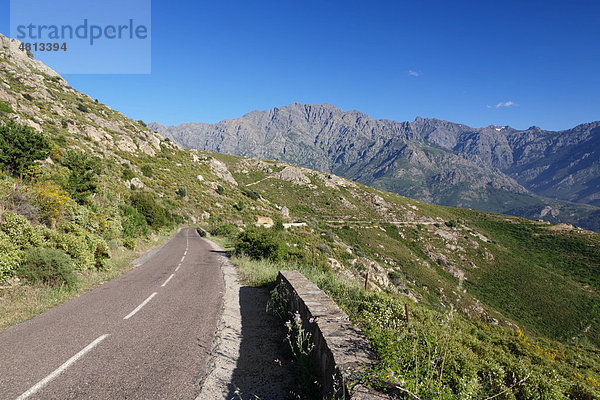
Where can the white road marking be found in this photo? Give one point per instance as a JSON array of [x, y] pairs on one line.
[[35, 388], [167, 281], [138, 308], [182, 258], [178, 265]]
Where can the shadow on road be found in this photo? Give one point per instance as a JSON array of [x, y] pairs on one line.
[[263, 368], [225, 253]]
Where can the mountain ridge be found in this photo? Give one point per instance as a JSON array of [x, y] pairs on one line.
[[494, 168]]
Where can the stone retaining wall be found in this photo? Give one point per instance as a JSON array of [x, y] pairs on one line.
[[340, 349]]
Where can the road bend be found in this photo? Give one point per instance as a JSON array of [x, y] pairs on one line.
[[144, 335]]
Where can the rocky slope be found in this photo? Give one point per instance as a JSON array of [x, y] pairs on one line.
[[527, 173]]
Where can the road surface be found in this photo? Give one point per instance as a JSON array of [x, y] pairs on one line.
[[144, 335]]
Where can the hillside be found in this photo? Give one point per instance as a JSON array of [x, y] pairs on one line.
[[499, 271], [531, 173]]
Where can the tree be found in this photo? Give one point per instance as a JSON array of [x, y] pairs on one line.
[[145, 203], [82, 180], [21, 146]]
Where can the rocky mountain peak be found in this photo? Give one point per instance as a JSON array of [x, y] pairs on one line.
[[430, 159]]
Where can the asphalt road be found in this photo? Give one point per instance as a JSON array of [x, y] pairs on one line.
[[144, 335]]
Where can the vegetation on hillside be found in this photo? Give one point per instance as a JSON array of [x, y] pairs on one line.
[[443, 354], [53, 224]]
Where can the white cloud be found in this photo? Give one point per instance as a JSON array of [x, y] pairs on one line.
[[414, 73], [503, 104]]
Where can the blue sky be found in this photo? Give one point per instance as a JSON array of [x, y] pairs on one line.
[[483, 62]]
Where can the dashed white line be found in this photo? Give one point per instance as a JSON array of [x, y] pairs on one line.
[[138, 308], [178, 265], [35, 388], [167, 281], [182, 258]]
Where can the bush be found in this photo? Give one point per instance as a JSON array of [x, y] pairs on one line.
[[220, 190], [100, 249], [76, 247], [228, 230], [52, 201], [49, 266], [181, 191], [451, 224], [130, 243], [156, 216], [201, 232], [10, 257], [260, 243], [21, 146], [250, 193], [82, 108], [82, 180], [133, 223], [147, 171], [19, 231]]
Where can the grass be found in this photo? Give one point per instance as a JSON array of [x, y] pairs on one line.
[[443, 354], [5, 108], [19, 303]]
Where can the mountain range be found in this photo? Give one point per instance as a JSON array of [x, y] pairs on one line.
[[533, 173]]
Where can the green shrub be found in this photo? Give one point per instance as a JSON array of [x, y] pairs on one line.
[[181, 191], [21, 146], [178, 219], [76, 247], [19, 231], [147, 171], [239, 206], [260, 243], [250, 193], [228, 230], [82, 108], [451, 224], [100, 249], [220, 190], [133, 223], [46, 265], [278, 225], [10, 257], [82, 180], [156, 216], [298, 256], [130, 243]]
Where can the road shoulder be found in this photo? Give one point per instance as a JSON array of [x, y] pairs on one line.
[[248, 351]]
